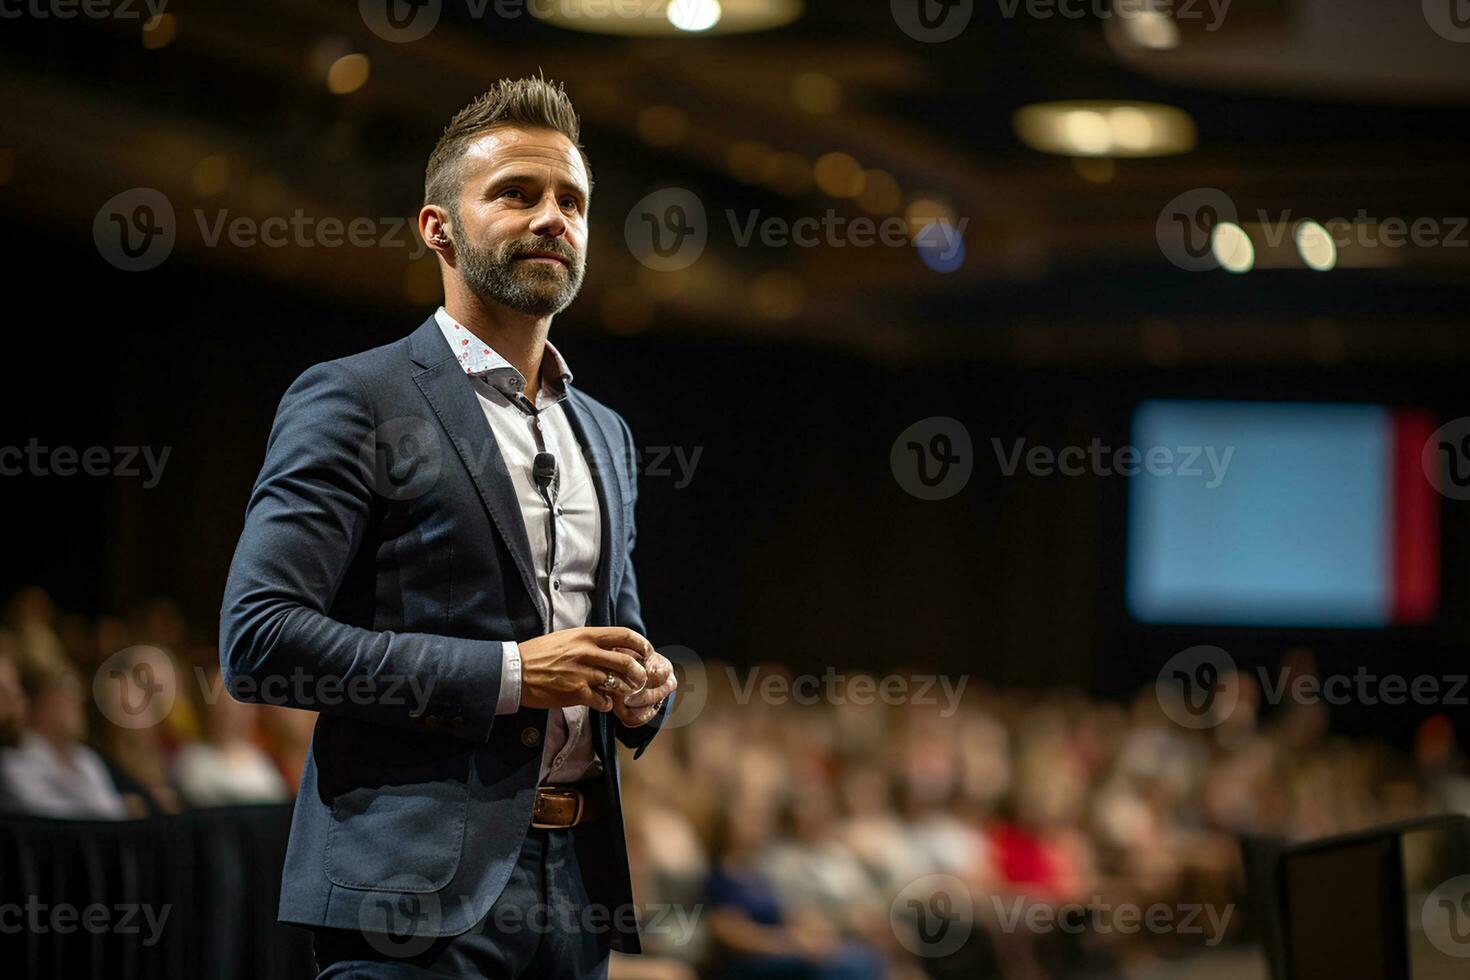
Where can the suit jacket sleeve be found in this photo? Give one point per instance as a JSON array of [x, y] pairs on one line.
[[629, 611], [304, 525]]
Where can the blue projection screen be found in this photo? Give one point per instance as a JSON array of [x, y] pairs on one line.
[[1304, 515]]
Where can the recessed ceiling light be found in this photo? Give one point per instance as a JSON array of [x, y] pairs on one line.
[[668, 17], [1101, 128], [693, 15], [1232, 247], [1152, 29], [1316, 247]]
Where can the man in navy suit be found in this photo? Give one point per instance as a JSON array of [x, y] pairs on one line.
[[437, 558]]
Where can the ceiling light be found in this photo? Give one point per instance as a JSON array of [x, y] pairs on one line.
[[1316, 246], [1232, 247], [1152, 29], [693, 15], [669, 17], [1105, 128]]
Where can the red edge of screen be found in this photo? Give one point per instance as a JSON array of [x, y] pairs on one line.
[[1415, 516]]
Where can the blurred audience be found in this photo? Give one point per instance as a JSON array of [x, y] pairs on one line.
[[772, 838], [51, 772], [228, 766]]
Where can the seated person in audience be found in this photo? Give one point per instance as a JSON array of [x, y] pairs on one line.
[[752, 935], [12, 712], [51, 773], [229, 767]]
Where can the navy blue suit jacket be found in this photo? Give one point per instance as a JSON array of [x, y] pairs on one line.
[[383, 560]]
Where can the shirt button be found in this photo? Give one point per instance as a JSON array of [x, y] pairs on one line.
[[556, 585], [530, 737]]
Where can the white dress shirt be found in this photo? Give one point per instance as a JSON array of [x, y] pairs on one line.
[[522, 430]]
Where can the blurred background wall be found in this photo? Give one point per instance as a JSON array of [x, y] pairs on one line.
[[789, 370]]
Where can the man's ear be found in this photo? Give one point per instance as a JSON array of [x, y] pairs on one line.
[[434, 227]]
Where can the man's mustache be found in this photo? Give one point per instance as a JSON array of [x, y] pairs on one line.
[[544, 247]]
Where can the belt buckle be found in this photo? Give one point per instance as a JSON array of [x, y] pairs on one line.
[[576, 794]]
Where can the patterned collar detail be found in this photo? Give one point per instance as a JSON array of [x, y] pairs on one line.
[[484, 363]]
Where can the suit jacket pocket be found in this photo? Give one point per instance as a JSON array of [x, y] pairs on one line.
[[400, 837], [399, 803]]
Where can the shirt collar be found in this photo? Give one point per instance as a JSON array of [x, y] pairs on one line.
[[483, 362]]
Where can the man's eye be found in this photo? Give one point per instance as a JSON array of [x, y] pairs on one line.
[[512, 192]]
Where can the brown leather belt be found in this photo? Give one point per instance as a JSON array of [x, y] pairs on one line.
[[569, 805]]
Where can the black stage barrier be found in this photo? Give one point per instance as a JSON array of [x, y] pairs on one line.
[[1391, 903], [192, 895]]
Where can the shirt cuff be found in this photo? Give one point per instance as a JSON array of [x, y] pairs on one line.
[[510, 679]]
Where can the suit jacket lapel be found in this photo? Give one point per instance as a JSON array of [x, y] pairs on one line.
[[451, 394], [609, 498]]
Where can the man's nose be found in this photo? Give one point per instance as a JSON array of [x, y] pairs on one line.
[[548, 221]]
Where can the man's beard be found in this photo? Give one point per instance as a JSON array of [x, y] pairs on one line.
[[494, 273]]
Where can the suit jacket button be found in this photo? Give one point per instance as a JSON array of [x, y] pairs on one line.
[[530, 737]]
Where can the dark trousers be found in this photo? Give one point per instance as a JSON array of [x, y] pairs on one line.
[[540, 926]]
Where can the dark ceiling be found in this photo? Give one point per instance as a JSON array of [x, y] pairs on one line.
[[1304, 109]]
